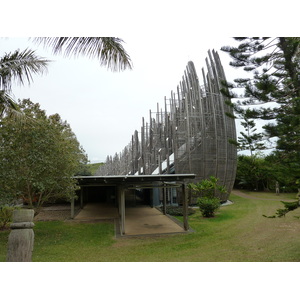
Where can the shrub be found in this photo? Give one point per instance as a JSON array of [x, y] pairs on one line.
[[5, 216], [207, 191], [208, 206], [177, 210]]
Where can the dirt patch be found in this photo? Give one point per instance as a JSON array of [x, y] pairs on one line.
[[54, 213]]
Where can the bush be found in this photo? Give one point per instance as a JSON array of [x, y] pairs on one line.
[[6, 213], [177, 210], [208, 206], [208, 191]]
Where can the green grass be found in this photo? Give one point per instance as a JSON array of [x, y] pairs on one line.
[[271, 195], [239, 232]]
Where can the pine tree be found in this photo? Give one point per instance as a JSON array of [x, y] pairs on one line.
[[274, 64]]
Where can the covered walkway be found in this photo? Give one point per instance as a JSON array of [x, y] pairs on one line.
[[140, 220], [131, 220]]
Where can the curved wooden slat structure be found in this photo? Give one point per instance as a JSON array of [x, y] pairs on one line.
[[189, 135]]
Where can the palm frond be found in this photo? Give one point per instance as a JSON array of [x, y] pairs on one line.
[[8, 107], [109, 50], [20, 66]]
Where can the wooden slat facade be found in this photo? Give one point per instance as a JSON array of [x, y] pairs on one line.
[[189, 133]]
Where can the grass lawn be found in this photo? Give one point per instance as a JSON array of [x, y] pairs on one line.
[[239, 232]]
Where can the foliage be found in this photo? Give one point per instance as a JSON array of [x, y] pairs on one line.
[[274, 65], [288, 206], [250, 139], [17, 66], [207, 187], [6, 213], [208, 206], [253, 173], [109, 50], [84, 170], [177, 210], [260, 173], [207, 191], [38, 157]]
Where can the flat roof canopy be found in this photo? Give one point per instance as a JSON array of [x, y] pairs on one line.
[[123, 182], [128, 180]]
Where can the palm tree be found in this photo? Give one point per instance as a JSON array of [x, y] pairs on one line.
[[18, 66], [108, 50]]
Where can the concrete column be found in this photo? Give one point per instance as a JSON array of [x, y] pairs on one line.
[[21, 238], [185, 207]]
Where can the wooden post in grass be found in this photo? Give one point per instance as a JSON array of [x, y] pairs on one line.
[[185, 207], [21, 238]]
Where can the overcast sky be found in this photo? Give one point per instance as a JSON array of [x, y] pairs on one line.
[[104, 107]]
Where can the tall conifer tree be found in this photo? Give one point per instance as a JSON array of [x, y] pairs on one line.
[[275, 65]]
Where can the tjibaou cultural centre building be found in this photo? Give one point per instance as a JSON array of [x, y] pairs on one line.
[[189, 133]]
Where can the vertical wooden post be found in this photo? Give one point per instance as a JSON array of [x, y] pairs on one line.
[[122, 198], [164, 201], [72, 209], [121, 202], [81, 197], [21, 238], [185, 207]]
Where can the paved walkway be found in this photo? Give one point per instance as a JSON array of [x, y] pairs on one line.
[[139, 220]]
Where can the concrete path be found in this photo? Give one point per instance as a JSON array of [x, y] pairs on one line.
[[139, 220], [147, 220]]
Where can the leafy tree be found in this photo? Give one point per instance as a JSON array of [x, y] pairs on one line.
[[259, 172], [284, 170], [38, 157], [109, 50], [18, 66], [253, 173]]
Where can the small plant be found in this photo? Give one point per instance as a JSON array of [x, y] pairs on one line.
[[208, 206], [207, 191]]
